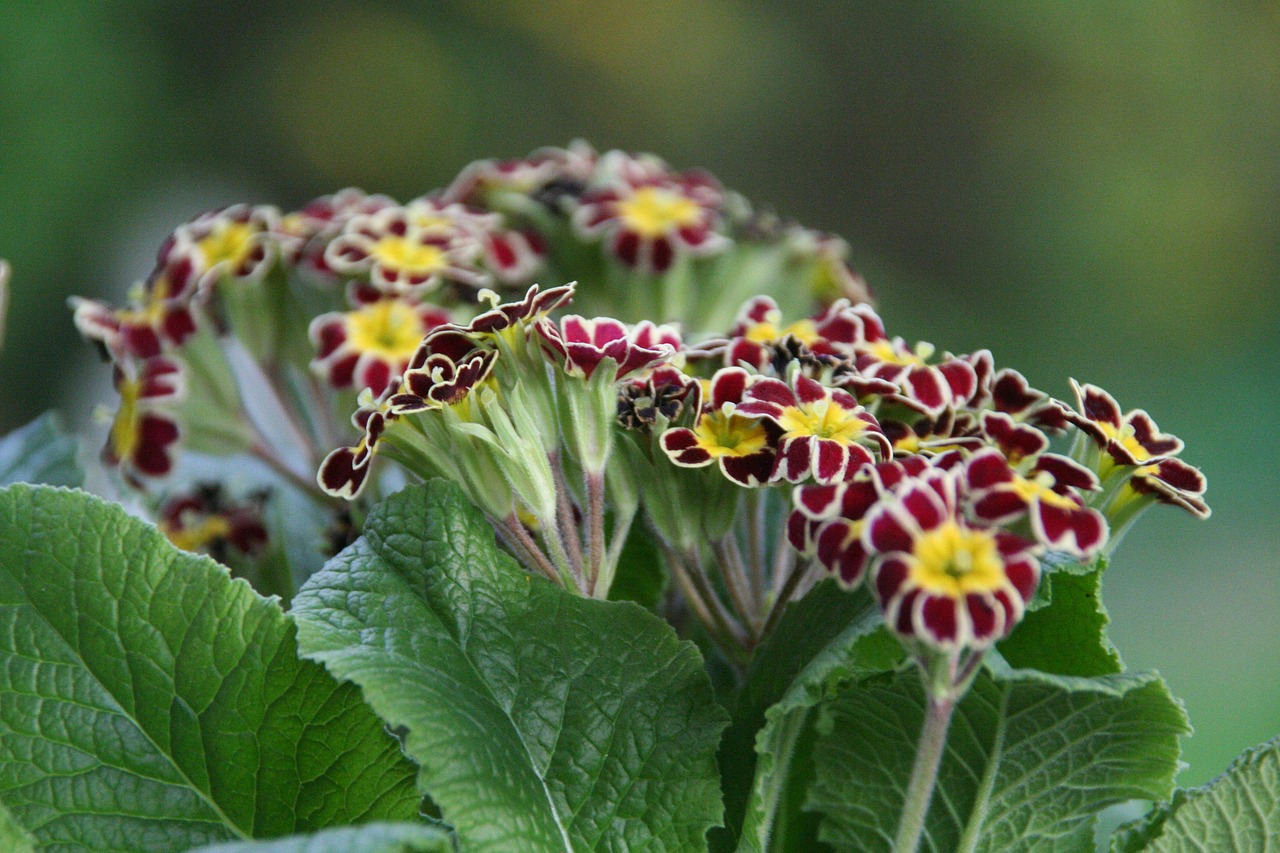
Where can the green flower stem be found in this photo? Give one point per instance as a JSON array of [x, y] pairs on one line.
[[784, 563], [263, 453], [757, 540], [720, 625], [735, 581], [785, 593], [924, 774], [595, 529], [565, 514], [571, 573], [529, 552]]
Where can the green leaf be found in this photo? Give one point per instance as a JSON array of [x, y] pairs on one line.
[[40, 452], [541, 720], [1068, 636], [148, 701], [829, 638], [641, 575], [1030, 760], [370, 838], [12, 838], [1238, 811]]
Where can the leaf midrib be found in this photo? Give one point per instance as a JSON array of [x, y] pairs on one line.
[[487, 691], [79, 658]]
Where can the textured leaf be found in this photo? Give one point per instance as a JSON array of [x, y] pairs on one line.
[[1069, 635], [1030, 760], [40, 452], [822, 642], [370, 838], [541, 721], [149, 702], [12, 838], [1238, 811]]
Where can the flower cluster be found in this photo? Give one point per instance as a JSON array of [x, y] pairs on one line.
[[726, 382]]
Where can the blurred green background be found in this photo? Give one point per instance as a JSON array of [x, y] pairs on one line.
[[1089, 189]]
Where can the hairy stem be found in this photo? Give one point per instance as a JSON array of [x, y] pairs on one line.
[[531, 555], [924, 773]]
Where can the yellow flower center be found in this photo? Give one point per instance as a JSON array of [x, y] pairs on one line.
[[825, 419], [730, 435], [954, 561], [230, 242], [430, 221], [124, 429], [199, 535], [410, 256], [389, 328], [653, 212], [1040, 489], [802, 330], [885, 351], [1125, 438]]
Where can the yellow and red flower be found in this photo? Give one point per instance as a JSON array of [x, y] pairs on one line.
[[371, 345], [828, 521], [205, 521], [240, 242], [758, 328], [144, 431], [825, 434], [1132, 444], [546, 176], [322, 219], [744, 447], [1016, 478], [404, 250], [648, 215], [159, 315], [941, 579], [857, 333], [579, 344]]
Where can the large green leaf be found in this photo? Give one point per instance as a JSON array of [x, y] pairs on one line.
[[824, 641], [40, 452], [1030, 760], [1238, 812], [1068, 636], [370, 838], [541, 720], [149, 702]]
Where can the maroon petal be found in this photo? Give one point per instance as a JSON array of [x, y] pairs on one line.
[[753, 470]]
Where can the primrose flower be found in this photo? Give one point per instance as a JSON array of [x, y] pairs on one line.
[[580, 344], [206, 521], [825, 433], [659, 393], [447, 367], [322, 219], [512, 256], [743, 446], [1017, 477], [239, 243], [856, 332], [758, 329], [1129, 439], [649, 215], [828, 520], [345, 470], [548, 175], [159, 314], [939, 578], [1133, 444], [405, 250], [371, 345], [144, 431]]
